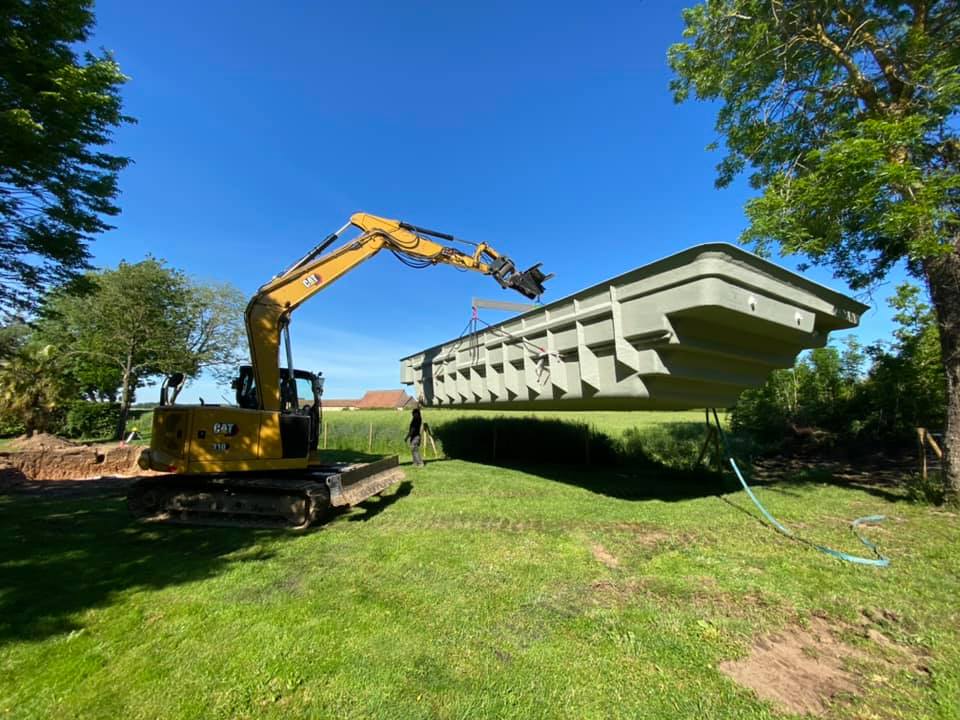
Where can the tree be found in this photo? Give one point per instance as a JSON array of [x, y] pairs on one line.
[[817, 391], [33, 387], [142, 320], [216, 332], [905, 387], [846, 114], [57, 112], [13, 336]]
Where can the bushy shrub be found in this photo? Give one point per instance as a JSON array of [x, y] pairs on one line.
[[91, 420], [10, 425], [675, 445], [929, 490]]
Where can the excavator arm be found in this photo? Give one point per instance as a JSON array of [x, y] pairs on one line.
[[268, 312]]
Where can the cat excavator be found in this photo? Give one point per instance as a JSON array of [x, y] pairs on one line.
[[257, 463]]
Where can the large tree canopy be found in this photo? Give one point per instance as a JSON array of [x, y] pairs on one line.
[[57, 112], [141, 320], [845, 115]]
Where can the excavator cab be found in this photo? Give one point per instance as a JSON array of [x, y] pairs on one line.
[[301, 399]]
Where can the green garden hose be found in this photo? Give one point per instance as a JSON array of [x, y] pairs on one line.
[[878, 561]]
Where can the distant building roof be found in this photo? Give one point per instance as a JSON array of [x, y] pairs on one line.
[[339, 403], [384, 399]]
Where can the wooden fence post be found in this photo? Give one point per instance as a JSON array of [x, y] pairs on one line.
[[370, 438], [923, 452]]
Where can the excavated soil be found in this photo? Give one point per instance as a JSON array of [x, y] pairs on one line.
[[41, 441], [48, 458], [806, 670]]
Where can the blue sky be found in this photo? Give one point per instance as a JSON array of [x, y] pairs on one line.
[[546, 129]]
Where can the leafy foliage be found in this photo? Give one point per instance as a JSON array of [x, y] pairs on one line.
[[10, 424], [94, 420], [34, 389], [216, 332], [844, 112], [140, 320], [57, 112]]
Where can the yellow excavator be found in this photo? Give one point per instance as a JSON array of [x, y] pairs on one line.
[[257, 463]]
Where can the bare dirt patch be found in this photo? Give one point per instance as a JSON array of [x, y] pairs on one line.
[[602, 555], [647, 537], [806, 670], [875, 471], [802, 670]]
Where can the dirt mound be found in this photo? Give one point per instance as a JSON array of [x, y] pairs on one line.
[[40, 441], [62, 460], [806, 670]]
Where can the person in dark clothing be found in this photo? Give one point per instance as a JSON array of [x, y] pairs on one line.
[[413, 436]]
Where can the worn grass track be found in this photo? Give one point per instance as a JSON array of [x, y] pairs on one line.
[[469, 591]]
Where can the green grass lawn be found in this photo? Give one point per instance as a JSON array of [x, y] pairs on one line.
[[467, 591]]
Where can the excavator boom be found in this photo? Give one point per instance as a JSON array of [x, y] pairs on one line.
[[269, 310]]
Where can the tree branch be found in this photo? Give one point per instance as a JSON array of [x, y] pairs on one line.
[[885, 61], [863, 88]]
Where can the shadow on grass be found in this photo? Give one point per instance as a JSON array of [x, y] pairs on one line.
[[68, 547], [658, 462], [577, 454], [376, 505], [60, 558], [876, 474]]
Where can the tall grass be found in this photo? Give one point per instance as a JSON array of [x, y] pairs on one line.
[[366, 431], [509, 437]]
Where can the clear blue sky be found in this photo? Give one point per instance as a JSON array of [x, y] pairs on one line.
[[546, 129]]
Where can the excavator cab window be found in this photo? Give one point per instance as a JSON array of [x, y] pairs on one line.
[[246, 388]]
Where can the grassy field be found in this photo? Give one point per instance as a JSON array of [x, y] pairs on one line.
[[473, 591]]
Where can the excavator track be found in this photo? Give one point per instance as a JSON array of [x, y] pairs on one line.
[[294, 500]]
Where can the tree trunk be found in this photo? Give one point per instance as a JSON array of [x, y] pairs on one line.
[[124, 404], [943, 279]]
